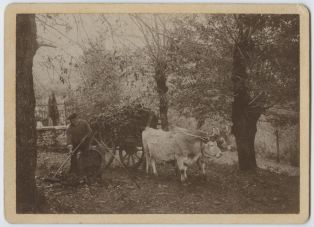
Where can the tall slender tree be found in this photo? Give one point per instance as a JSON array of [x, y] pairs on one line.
[[53, 111], [157, 44]]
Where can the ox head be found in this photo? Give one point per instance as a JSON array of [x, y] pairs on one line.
[[211, 149]]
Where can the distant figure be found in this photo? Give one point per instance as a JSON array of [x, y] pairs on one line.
[[53, 112], [78, 134]]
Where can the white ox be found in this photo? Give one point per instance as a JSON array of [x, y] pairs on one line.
[[184, 146]]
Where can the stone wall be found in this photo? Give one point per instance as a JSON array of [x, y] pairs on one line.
[[51, 137]]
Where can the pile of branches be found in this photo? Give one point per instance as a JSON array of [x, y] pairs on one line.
[[123, 121]]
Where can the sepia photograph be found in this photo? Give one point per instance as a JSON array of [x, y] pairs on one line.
[[132, 112]]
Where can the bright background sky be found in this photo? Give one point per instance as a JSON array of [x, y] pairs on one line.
[[72, 33]]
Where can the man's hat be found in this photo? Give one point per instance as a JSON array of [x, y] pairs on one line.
[[72, 116]]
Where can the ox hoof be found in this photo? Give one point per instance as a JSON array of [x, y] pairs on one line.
[[203, 178], [185, 183]]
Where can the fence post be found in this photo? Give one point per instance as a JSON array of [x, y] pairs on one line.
[[277, 145], [65, 113]]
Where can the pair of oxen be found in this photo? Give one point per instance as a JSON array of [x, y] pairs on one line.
[[185, 147]]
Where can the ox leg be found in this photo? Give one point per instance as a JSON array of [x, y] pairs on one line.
[[154, 167], [182, 175], [185, 169], [147, 164], [147, 156], [181, 167], [202, 165], [147, 167], [176, 169]]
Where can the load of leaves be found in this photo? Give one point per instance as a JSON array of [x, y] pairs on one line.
[[123, 121]]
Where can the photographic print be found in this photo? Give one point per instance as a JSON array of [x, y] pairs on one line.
[[159, 113]]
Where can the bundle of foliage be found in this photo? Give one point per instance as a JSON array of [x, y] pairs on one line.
[[123, 121], [111, 78]]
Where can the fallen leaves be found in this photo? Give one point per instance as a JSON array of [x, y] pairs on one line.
[[225, 191]]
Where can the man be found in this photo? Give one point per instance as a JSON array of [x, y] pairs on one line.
[[78, 134]]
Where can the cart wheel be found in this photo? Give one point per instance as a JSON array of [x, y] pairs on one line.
[[131, 155], [107, 156]]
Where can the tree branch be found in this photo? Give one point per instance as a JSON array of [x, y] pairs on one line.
[[61, 33], [43, 44]]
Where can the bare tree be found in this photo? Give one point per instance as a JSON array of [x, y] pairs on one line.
[[157, 44]]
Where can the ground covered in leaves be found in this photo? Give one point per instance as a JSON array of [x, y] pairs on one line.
[[226, 190]]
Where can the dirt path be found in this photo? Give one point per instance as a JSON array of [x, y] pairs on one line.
[[226, 190]]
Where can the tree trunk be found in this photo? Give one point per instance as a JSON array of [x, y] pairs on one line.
[[244, 114], [244, 129], [162, 89], [26, 154], [163, 111]]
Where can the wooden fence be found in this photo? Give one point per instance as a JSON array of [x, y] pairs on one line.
[[41, 113]]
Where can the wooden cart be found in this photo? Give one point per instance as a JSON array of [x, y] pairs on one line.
[[124, 137]]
